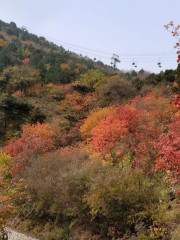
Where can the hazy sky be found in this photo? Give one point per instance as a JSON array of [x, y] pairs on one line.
[[129, 28]]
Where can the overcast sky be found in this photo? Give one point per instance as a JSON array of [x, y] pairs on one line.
[[129, 28]]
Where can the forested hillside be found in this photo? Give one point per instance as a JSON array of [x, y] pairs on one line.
[[86, 152]]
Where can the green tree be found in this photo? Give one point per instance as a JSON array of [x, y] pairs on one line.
[[20, 78], [91, 77], [56, 74], [142, 71], [36, 57], [133, 73], [15, 111], [37, 116], [9, 31], [12, 25]]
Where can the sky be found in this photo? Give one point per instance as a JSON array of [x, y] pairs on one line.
[[132, 29]]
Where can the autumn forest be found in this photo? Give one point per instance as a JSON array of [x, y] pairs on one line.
[[86, 152]]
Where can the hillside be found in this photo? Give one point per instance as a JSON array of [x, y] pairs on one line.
[[87, 152]]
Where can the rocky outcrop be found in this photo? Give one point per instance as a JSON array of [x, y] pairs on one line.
[[14, 235]]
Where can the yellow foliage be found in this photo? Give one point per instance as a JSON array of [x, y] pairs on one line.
[[20, 77], [98, 85], [91, 77], [26, 53], [93, 119], [47, 66], [65, 66], [3, 43], [49, 87], [54, 51]]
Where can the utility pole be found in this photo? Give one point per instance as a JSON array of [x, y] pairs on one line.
[[116, 60]]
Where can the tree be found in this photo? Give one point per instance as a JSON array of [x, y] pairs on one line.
[[133, 73], [169, 154], [26, 53], [56, 74], [156, 114], [176, 33], [141, 71], [37, 116], [12, 47], [115, 91], [65, 66], [20, 78], [76, 102], [91, 77], [12, 25], [16, 111], [95, 116], [36, 57], [3, 43], [113, 127], [9, 31], [16, 32], [5, 60]]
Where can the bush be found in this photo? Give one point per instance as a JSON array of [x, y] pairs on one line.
[[116, 91], [71, 137], [119, 199], [146, 89], [68, 187], [65, 171]]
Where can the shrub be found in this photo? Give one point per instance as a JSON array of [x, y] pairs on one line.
[[121, 198], [116, 91], [67, 187], [65, 171]]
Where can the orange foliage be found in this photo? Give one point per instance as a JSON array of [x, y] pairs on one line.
[[27, 43], [112, 128], [135, 128], [18, 94], [34, 139], [3, 33], [38, 88], [157, 113], [176, 33], [169, 150], [37, 130], [78, 66], [76, 102], [26, 61], [96, 115], [76, 71], [67, 88]]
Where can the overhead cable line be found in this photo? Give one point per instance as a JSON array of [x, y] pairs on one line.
[[108, 53]]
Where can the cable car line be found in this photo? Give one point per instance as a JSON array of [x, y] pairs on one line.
[[122, 54], [125, 57]]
